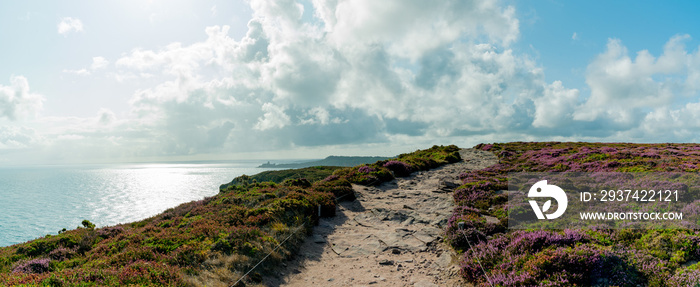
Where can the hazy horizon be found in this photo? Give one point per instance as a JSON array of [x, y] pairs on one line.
[[162, 81]]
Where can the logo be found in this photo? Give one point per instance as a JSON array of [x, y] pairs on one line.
[[542, 189]]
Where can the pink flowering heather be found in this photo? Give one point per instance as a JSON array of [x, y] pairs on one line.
[[365, 169], [331, 177], [38, 266], [399, 168]]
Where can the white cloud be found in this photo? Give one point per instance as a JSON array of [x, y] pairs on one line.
[[405, 26], [99, 63], [17, 102], [574, 36], [338, 80], [556, 107], [79, 72], [318, 116], [16, 137], [106, 117], [69, 24], [274, 117], [183, 61], [625, 90]]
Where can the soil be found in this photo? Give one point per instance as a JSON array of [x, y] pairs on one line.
[[391, 235]]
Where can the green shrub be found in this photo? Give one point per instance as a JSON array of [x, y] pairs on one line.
[[341, 188], [87, 224], [297, 182]]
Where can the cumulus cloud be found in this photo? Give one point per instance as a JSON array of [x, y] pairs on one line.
[[183, 61], [624, 91], [359, 65], [360, 71], [17, 102], [274, 117], [556, 107], [405, 26], [69, 24]]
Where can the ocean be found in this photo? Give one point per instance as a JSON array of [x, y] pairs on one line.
[[36, 201]]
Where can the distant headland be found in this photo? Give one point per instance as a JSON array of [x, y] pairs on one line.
[[346, 161]]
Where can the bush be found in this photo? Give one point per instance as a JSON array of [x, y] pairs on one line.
[[61, 254], [339, 187], [368, 175], [107, 232], [87, 241], [298, 182], [431, 158], [399, 168], [237, 239], [87, 224], [36, 266]]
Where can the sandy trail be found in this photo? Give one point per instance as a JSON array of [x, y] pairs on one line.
[[390, 236]]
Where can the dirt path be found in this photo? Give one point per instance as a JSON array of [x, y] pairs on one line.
[[389, 236]]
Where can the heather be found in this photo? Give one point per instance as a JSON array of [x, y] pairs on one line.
[[591, 256], [209, 242]]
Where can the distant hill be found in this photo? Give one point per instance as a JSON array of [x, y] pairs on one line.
[[346, 161]]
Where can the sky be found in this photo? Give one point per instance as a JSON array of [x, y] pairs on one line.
[[123, 81]]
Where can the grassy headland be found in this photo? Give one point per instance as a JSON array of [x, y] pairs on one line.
[[211, 242]]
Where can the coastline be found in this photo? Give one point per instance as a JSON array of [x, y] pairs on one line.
[[237, 226]]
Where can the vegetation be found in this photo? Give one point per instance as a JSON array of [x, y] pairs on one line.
[[590, 257], [312, 174], [209, 242]]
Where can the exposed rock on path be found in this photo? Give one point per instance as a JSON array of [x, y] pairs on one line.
[[389, 236]]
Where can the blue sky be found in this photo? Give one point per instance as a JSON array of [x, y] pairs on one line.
[[549, 26], [110, 81]]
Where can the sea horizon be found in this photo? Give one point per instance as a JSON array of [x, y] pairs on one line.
[[40, 200]]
